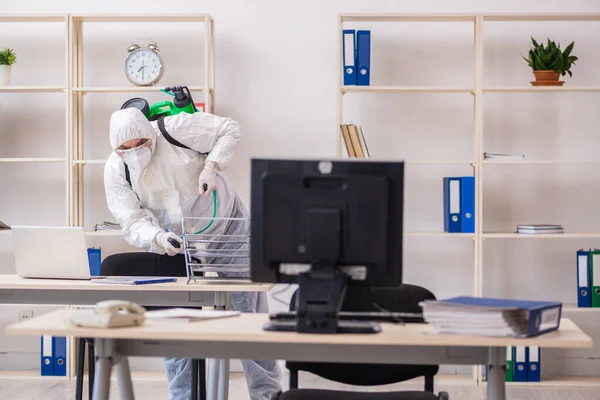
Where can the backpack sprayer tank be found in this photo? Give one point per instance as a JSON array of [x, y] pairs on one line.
[[182, 102]]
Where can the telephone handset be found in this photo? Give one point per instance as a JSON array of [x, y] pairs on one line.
[[118, 306], [109, 314]]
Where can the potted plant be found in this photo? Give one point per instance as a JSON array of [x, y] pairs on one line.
[[550, 62], [7, 59]]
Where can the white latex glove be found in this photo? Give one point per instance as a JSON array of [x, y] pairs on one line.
[[162, 239], [208, 177]]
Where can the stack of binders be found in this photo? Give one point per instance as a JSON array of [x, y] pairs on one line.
[[480, 316], [54, 356], [523, 364], [459, 204], [356, 57], [588, 278]]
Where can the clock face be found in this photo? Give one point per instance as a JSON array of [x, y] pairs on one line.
[[143, 67]]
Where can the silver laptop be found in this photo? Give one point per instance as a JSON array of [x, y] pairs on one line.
[[58, 252]]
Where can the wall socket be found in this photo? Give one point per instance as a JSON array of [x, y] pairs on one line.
[[25, 314]]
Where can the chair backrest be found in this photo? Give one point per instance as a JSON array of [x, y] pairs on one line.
[[404, 298]]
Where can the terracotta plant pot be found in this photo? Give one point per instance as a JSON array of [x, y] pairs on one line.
[[547, 78]]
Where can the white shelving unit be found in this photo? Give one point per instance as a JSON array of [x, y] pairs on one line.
[[77, 91], [74, 135], [477, 91]]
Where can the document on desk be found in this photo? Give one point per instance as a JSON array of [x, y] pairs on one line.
[[492, 317], [133, 280], [184, 315]]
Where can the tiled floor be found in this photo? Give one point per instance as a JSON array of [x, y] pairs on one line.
[[40, 389]]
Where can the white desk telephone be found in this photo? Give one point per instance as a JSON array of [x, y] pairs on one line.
[[109, 314]]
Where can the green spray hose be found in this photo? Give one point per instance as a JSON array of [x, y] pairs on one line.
[[213, 217]]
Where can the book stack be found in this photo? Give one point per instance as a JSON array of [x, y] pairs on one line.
[[107, 226], [478, 316], [356, 146], [540, 229]]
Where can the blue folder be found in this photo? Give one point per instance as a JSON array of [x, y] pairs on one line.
[[520, 363], [349, 56], [60, 355], [533, 361], [584, 286], [363, 57], [47, 356], [452, 204], [467, 204]]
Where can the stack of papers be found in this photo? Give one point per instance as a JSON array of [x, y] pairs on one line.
[[187, 315], [540, 229], [501, 156], [492, 317], [107, 226]]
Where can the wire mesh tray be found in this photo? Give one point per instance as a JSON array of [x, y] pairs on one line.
[[212, 254]]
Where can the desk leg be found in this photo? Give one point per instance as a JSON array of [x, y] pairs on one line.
[[224, 379], [496, 387], [104, 355], [124, 379], [212, 383]]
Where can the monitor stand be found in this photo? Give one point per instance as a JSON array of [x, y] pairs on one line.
[[320, 295]]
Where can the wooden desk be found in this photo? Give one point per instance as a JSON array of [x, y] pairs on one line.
[[243, 337], [16, 290], [213, 293]]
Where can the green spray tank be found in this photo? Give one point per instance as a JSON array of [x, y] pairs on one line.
[[182, 102]]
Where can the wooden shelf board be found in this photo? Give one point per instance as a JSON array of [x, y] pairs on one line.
[[33, 18], [536, 89], [119, 89], [403, 89], [585, 381], [31, 160], [441, 162], [572, 308], [28, 374], [407, 17], [32, 89], [498, 235], [89, 161], [542, 162], [440, 234], [541, 17], [104, 233], [141, 17]]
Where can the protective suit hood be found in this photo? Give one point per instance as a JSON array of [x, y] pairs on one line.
[[129, 124]]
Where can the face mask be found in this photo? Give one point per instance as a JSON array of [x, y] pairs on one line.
[[137, 158]]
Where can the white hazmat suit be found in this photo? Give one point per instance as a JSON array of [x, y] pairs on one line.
[[165, 187]]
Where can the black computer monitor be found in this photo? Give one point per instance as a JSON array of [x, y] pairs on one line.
[[341, 220]]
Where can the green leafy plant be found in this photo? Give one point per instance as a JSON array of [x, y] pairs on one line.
[[7, 57], [551, 57]]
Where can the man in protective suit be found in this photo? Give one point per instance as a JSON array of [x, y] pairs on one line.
[[158, 173]]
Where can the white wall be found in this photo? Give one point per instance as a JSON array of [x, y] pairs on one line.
[[276, 74]]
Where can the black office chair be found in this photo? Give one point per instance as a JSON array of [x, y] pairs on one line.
[[405, 298]]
